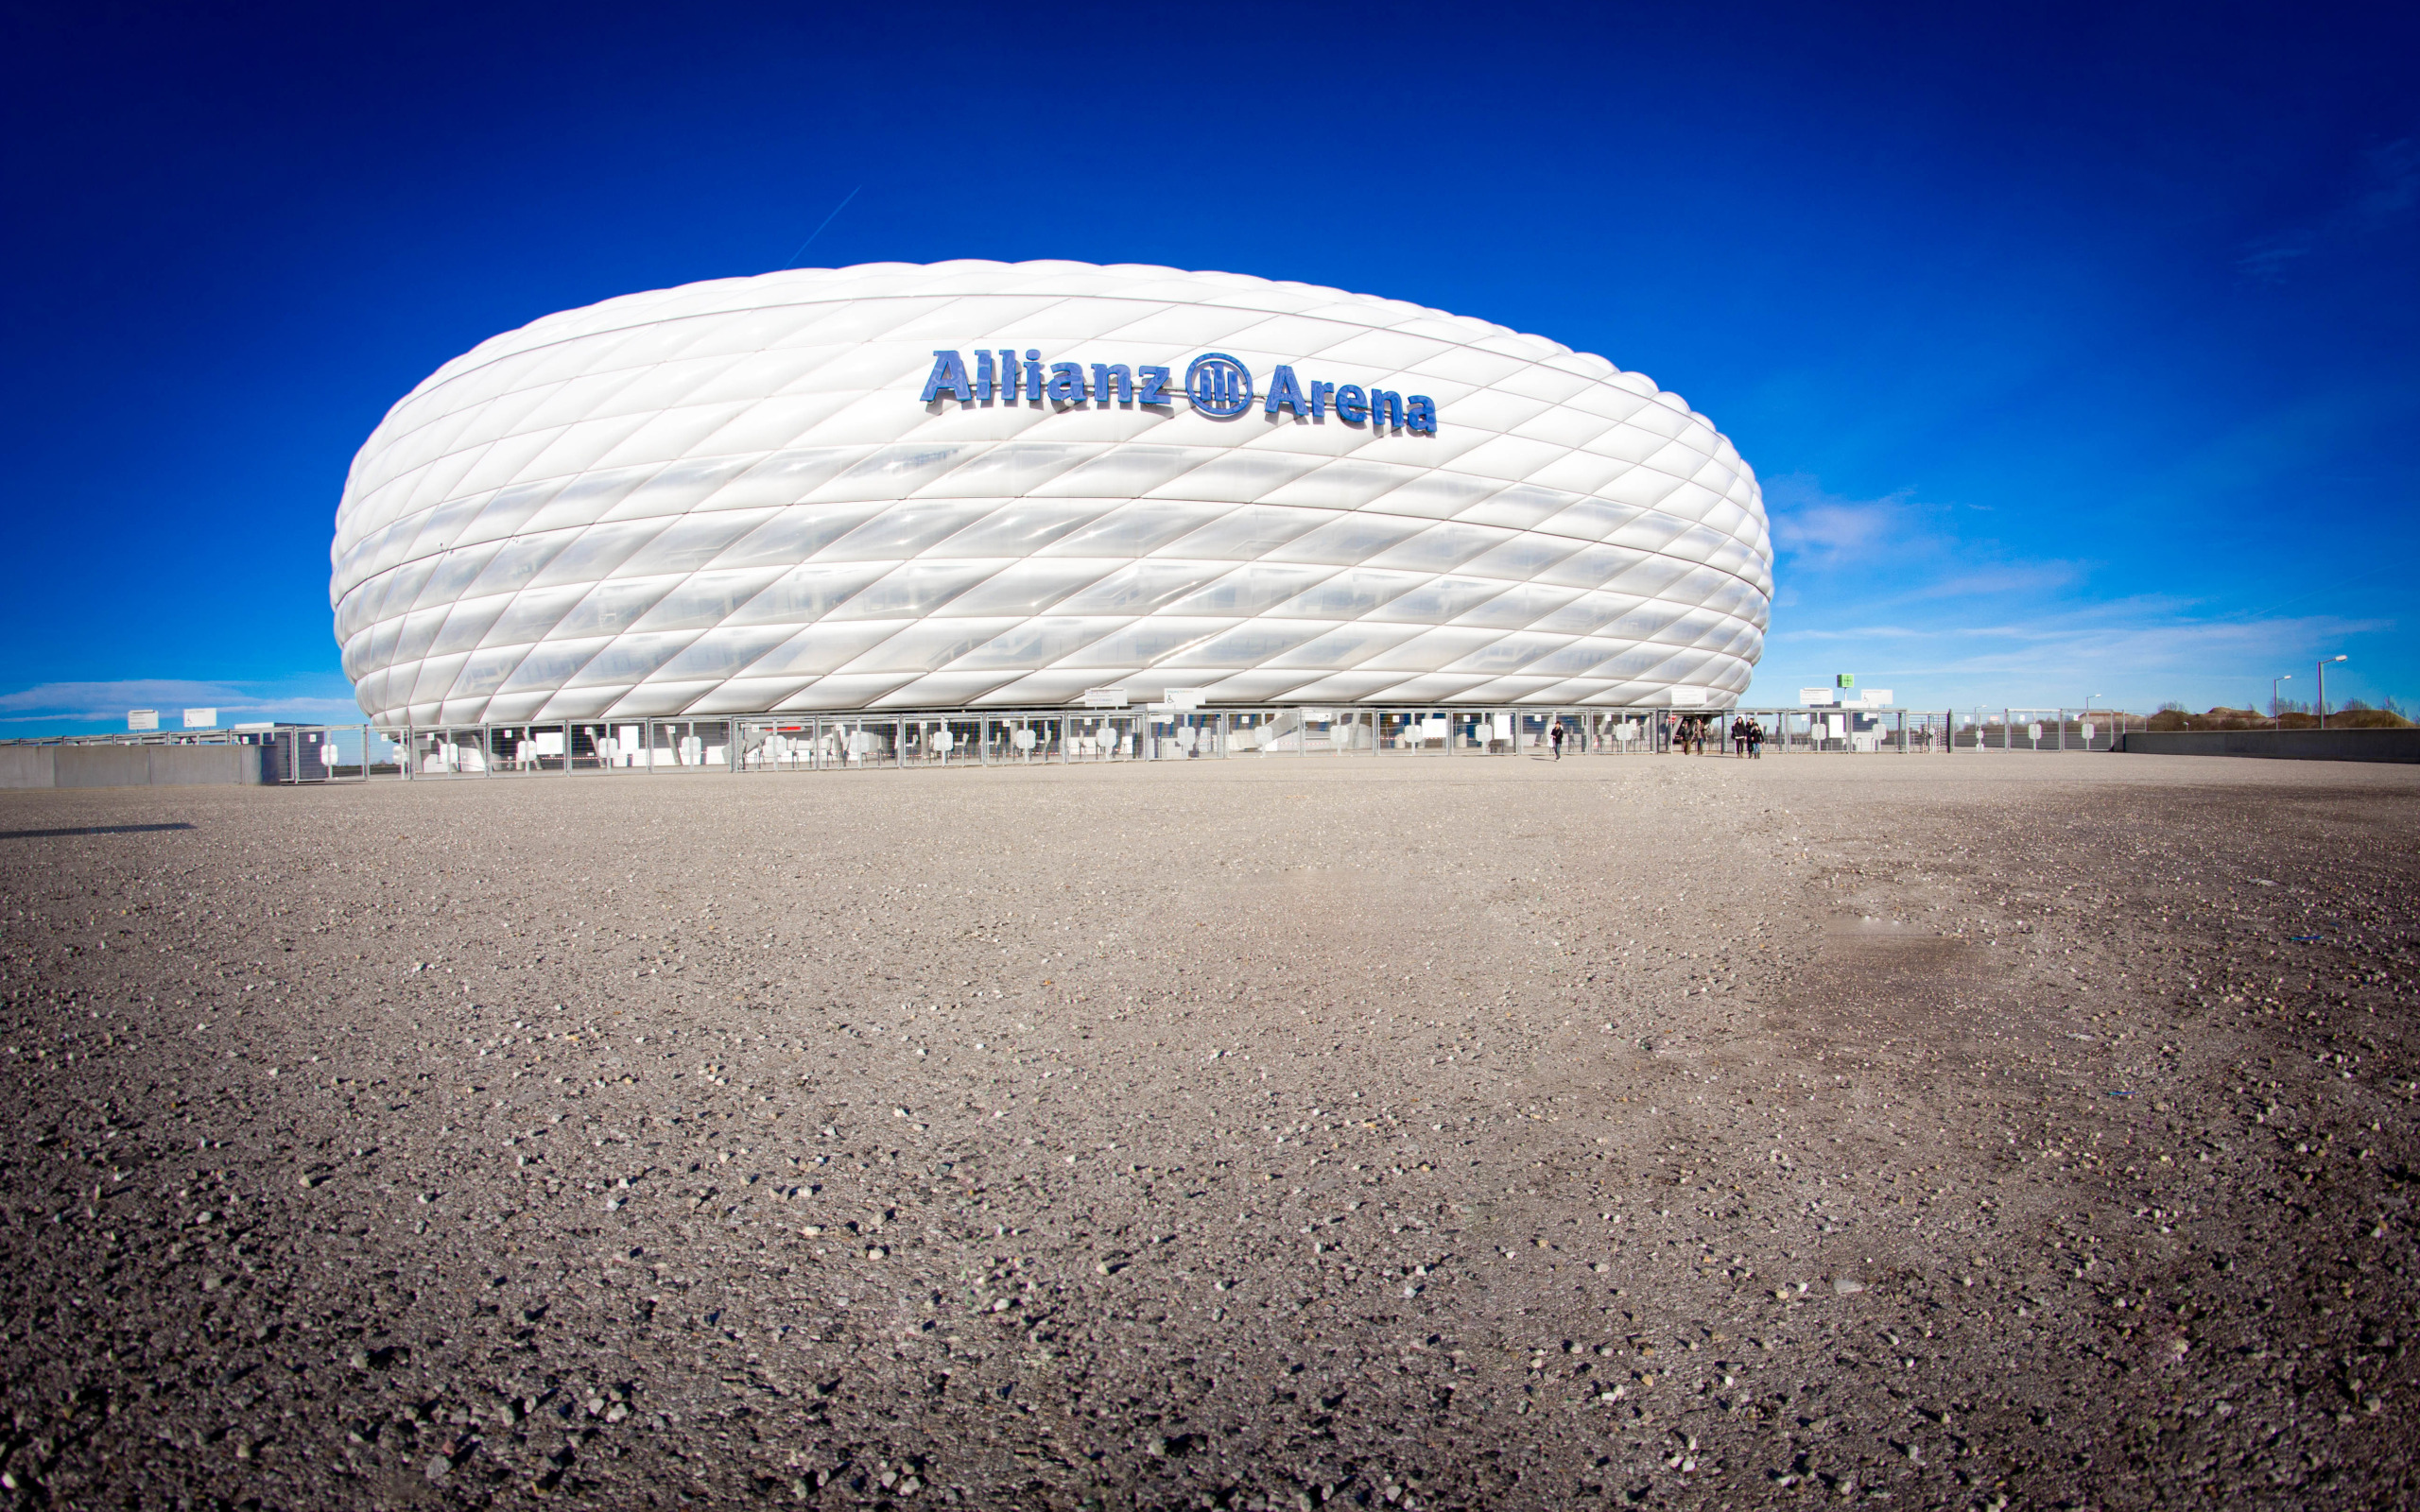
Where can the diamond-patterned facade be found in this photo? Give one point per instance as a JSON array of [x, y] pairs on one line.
[[730, 497]]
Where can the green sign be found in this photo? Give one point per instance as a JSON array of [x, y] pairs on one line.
[[1846, 679]]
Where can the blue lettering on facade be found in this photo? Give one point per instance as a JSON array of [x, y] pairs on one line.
[[1285, 393], [1217, 385], [948, 377]]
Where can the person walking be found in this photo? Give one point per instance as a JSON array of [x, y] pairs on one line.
[[1756, 739], [1555, 736]]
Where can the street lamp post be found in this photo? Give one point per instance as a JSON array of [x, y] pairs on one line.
[[2273, 722], [2324, 662]]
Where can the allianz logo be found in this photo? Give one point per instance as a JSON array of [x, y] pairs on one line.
[[1215, 384]]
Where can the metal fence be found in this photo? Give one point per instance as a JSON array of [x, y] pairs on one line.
[[299, 754]]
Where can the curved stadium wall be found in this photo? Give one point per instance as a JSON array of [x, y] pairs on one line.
[[980, 484]]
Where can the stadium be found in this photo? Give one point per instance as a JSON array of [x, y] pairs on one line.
[[978, 485]]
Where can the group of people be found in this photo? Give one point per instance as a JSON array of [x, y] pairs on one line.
[[1692, 731], [1747, 737]]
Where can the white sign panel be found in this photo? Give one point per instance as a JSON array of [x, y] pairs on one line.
[[1104, 698], [143, 719], [1185, 697], [1815, 697], [1688, 697], [202, 719], [1874, 697]]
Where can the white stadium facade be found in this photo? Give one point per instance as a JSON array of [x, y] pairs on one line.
[[978, 485]]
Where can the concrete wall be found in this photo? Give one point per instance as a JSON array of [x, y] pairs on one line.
[[27, 767], [2292, 744], [131, 765]]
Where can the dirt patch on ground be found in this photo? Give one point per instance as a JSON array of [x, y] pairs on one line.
[[2005, 1131]]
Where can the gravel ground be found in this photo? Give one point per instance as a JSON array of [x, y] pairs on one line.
[[1998, 1131]]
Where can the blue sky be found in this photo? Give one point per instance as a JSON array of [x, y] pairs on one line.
[[2075, 347]]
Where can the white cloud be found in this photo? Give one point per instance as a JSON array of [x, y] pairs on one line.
[[56, 704], [1822, 532], [2136, 653]]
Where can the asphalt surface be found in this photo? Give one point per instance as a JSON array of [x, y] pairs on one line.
[[2002, 1130]]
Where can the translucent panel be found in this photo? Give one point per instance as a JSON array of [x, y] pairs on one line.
[[1439, 599], [463, 626], [1509, 653], [1009, 471], [1248, 645], [1027, 588], [483, 671], [1346, 596], [1587, 612], [420, 632], [632, 658], [1348, 645], [805, 594], [903, 530], [795, 534], [820, 648], [703, 599], [1141, 587], [1136, 529], [531, 615], [1036, 643], [721, 654], [893, 472], [915, 589], [517, 562], [925, 646], [1439, 547], [456, 572], [1144, 642], [611, 608], [1352, 538], [1236, 477], [687, 544], [595, 552], [1253, 530], [550, 665], [1523, 556], [1125, 472], [1018, 530], [1250, 589], [1519, 608]]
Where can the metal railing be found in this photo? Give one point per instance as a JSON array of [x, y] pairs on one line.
[[749, 743]]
